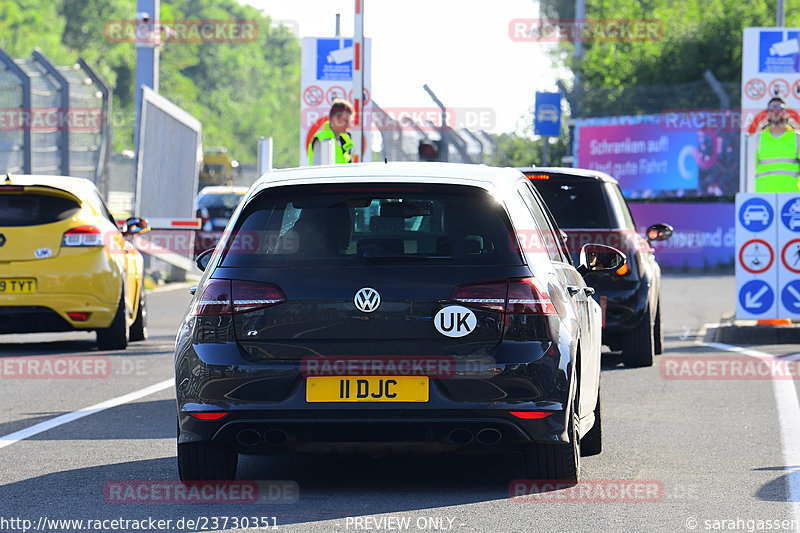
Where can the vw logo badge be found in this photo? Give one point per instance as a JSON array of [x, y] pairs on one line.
[[367, 300], [2, 239]]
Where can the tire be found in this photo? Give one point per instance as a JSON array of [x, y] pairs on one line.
[[207, 461], [637, 345], [592, 442], [561, 461], [658, 334], [138, 331], [115, 336]]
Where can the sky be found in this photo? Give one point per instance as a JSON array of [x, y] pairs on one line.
[[460, 48]]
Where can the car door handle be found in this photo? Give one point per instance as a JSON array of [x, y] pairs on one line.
[[573, 290], [588, 291]]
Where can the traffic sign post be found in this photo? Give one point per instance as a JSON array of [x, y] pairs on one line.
[[787, 214], [327, 72], [757, 256], [769, 69], [547, 118]]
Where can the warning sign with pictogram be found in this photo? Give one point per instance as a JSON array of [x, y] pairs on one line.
[[333, 93], [366, 97], [755, 89], [313, 96], [779, 87], [790, 256], [756, 256]]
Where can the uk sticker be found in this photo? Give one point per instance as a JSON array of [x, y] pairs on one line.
[[43, 253], [455, 321]]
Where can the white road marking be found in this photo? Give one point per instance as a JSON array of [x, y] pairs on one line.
[[788, 418], [12, 438]]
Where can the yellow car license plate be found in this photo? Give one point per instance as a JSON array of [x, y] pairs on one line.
[[17, 285], [367, 389]]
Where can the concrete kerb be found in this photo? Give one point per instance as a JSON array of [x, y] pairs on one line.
[[744, 332]]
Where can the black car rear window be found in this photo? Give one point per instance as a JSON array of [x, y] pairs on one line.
[[31, 209], [576, 203], [226, 200], [372, 224]]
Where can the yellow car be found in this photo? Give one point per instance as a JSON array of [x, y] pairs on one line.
[[64, 263]]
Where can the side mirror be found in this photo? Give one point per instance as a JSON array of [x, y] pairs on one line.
[[659, 232], [203, 258], [136, 225], [599, 258]]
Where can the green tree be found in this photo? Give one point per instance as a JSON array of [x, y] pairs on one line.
[[693, 37], [238, 90]]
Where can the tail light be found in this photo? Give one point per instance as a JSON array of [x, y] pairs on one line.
[[215, 300], [623, 270], [251, 296], [209, 416], [525, 297], [83, 236], [531, 415], [519, 296], [490, 295], [225, 297]]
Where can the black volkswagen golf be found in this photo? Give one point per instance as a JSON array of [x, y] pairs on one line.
[[388, 308]]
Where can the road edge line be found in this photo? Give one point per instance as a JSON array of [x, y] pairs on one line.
[[12, 438], [788, 408]]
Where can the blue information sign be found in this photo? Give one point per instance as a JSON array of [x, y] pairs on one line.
[[756, 215], [756, 297], [547, 114]]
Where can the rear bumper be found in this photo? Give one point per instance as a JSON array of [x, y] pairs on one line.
[[86, 280], [268, 412], [373, 430], [48, 313]]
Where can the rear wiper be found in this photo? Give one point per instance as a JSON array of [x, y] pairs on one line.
[[375, 258]]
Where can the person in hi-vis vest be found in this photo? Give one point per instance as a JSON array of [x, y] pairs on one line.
[[777, 152], [335, 128]]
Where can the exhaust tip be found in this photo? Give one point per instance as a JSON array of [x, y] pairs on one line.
[[276, 437], [489, 436], [460, 436], [248, 437]]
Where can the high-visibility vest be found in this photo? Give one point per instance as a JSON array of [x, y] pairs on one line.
[[343, 144], [777, 163]]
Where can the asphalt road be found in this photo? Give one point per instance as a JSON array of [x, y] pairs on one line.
[[684, 449]]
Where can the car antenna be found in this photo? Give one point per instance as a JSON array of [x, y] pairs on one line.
[[8, 179], [386, 160]]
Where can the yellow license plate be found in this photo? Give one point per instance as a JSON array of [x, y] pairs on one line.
[[367, 389], [17, 285]]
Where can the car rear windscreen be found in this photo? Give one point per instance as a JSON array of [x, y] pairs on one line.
[[575, 203], [31, 209], [372, 224], [226, 200]]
